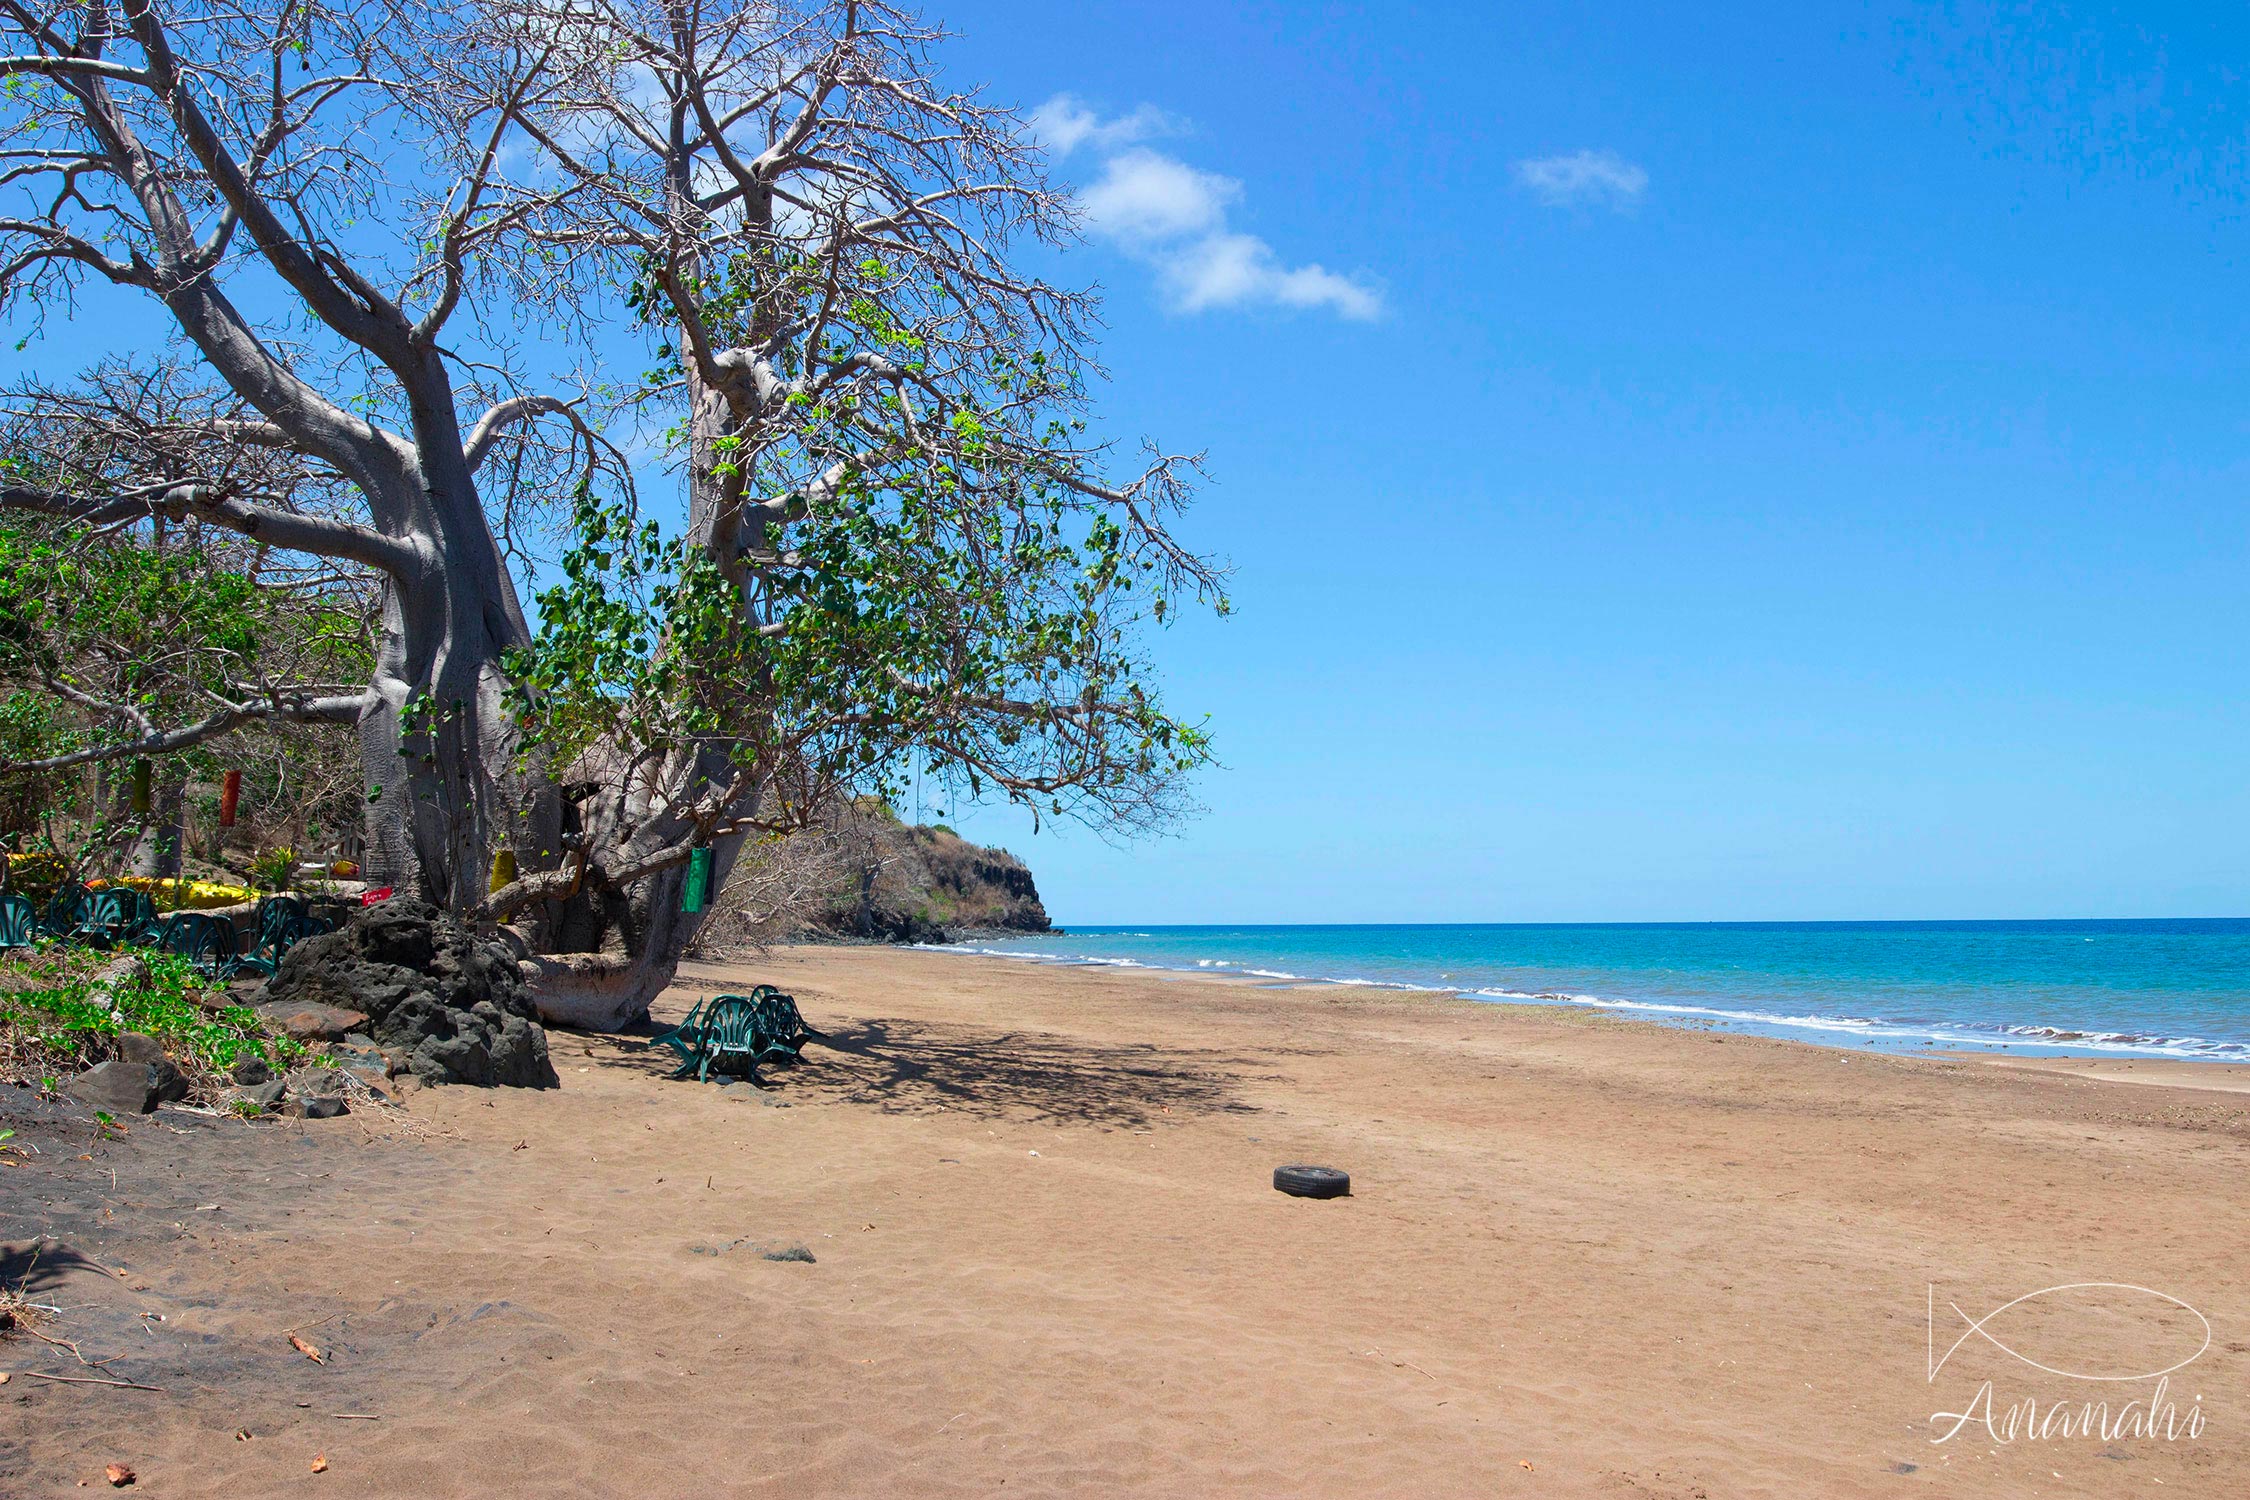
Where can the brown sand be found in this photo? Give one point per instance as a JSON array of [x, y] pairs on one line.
[[1583, 1257]]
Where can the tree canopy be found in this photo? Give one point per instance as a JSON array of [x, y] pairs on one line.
[[402, 249]]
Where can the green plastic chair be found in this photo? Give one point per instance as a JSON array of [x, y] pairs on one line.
[[147, 920], [782, 1024], [725, 1036], [206, 941], [117, 917], [66, 909], [103, 917], [685, 1039], [276, 938], [730, 1033], [19, 922]]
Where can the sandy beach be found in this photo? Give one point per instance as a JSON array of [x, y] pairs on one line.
[[1582, 1257]]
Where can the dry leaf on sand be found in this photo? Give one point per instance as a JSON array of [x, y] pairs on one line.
[[320, 1463], [309, 1351], [118, 1475]]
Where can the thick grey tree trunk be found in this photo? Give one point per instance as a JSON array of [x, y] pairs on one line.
[[615, 990], [156, 847], [450, 782]]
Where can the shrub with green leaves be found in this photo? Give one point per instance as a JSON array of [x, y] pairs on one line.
[[53, 1023]]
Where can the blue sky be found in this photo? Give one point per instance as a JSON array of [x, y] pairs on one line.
[[1772, 462], [1678, 463]]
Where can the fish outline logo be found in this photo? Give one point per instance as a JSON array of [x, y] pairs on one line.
[[1976, 1329]]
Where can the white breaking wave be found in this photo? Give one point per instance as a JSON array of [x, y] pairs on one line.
[[1958, 1036]]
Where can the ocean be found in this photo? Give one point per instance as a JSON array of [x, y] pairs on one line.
[[2157, 988]]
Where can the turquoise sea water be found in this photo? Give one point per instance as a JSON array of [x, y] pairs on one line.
[[2146, 988]]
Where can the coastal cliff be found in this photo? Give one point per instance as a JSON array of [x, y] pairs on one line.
[[933, 884], [864, 874]]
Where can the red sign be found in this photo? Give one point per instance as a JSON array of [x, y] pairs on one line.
[[371, 897]]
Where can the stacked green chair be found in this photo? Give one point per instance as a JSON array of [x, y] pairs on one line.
[[724, 1036], [781, 1023], [66, 909], [206, 941], [19, 922], [733, 1040], [279, 933], [115, 918]]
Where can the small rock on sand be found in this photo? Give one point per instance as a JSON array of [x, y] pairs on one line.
[[171, 1083], [266, 1096], [118, 1087], [316, 1081]]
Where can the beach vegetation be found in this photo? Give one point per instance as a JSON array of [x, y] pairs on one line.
[[59, 1015]]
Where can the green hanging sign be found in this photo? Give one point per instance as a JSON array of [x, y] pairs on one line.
[[697, 892], [142, 773]]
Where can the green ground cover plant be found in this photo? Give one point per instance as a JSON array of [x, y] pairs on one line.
[[56, 1021]]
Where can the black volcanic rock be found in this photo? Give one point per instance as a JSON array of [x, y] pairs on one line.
[[443, 1003], [117, 1087]]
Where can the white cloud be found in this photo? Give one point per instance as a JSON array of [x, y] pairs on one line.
[[1063, 124], [1597, 177], [1228, 270], [1173, 217], [1144, 196]]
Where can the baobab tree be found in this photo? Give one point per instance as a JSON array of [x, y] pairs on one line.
[[898, 542]]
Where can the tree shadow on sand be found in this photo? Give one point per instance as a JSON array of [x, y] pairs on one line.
[[35, 1266], [907, 1067]]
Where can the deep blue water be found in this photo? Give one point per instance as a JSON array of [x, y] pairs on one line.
[[2148, 988]]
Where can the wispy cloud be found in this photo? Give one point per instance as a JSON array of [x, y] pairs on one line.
[[1600, 178], [1063, 124], [1226, 270], [1173, 217]]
